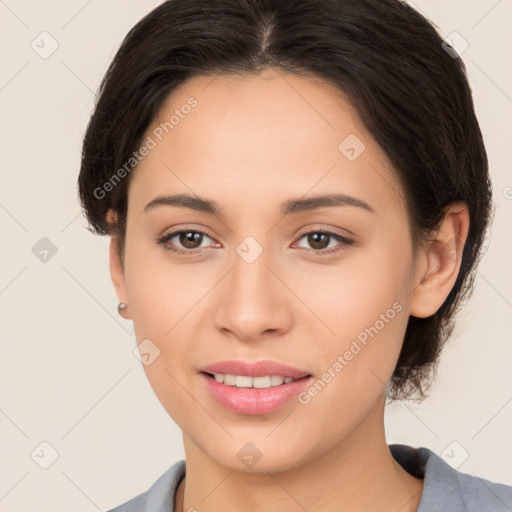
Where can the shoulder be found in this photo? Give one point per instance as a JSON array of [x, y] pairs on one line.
[[160, 496], [446, 489]]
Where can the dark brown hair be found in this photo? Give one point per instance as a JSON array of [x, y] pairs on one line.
[[409, 89]]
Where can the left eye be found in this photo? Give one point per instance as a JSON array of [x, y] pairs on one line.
[[318, 240]]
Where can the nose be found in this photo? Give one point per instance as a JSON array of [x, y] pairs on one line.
[[253, 302]]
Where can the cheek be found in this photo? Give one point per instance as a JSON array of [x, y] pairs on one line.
[[359, 351], [160, 293], [162, 303], [355, 364], [363, 307], [165, 301], [366, 292]]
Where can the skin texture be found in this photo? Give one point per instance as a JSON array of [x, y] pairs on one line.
[[251, 143]]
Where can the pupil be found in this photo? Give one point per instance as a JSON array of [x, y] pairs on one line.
[[314, 240], [189, 238]]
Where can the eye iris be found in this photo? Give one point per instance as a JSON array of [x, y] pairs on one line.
[[188, 239], [315, 242]]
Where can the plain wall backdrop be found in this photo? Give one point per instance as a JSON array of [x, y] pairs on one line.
[[68, 375]]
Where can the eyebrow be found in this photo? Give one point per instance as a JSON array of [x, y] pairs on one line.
[[288, 207]]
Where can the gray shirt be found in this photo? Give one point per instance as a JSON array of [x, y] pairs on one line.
[[445, 489]]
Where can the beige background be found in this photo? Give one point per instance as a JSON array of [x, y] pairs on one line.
[[67, 372]]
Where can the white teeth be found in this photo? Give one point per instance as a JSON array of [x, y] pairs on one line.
[[230, 380], [241, 381], [244, 381], [266, 382]]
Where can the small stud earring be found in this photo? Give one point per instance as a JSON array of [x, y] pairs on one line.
[[121, 307]]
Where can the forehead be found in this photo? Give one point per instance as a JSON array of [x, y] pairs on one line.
[[280, 103], [275, 134]]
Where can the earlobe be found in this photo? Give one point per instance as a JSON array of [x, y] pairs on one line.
[[442, 257], [117, 272]]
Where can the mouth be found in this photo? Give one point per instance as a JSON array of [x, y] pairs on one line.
[[224, 371], [254, 396], [246, 381]]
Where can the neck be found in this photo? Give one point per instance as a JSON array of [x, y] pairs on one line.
[[358, 474]]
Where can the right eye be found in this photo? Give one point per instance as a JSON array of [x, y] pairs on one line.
[[187, 238]]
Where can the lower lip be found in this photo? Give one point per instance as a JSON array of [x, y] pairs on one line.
[[254, 401]]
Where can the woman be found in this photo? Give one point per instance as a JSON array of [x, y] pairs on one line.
[[296, 193]]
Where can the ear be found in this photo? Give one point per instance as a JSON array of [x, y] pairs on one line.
[[117, 267], [440, 262]]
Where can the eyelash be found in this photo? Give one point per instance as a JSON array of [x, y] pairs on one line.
[[165, 241]]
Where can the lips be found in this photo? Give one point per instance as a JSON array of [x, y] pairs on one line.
[[255, 369], [251, 400]]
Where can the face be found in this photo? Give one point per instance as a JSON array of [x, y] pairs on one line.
[[321, 287]]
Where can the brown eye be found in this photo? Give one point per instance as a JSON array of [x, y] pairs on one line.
[[184, 241], [189, 239], [320, 241]]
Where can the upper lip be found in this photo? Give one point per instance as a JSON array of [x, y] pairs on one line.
[[255, 369]]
